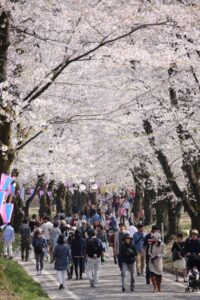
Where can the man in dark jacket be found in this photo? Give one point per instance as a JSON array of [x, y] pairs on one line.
[[128, 254], [25, 232], [94, 251]]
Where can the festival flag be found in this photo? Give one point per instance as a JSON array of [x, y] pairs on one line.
[[49, 194], [2, 198], [41, 193], [5, 182], [7, 212]]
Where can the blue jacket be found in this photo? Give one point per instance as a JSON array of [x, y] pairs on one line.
[[138, 240], [61, 256], [8, 234]]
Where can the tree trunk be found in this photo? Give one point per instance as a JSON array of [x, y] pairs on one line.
[[147, 204], [161, 214], [7, 156]]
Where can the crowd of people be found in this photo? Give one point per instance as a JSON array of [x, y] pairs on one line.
[[78, 244]]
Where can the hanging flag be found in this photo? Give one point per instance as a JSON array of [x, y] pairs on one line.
[[2, 198], [7, 212], [5, 182]]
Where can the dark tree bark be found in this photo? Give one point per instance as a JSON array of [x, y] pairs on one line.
[[7, 157], [30, 199], [191, 208]]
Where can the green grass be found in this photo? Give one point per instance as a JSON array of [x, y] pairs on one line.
[[16, 284]]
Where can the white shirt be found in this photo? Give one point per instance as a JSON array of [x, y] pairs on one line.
[[46, 227], [132, 229]]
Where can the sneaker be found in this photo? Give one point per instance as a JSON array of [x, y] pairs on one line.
[[138, 273], [132, 289], [61, 287], [123, 289], [5, 256], [11, 257]]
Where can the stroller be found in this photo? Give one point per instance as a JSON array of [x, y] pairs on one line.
[[193, 267]]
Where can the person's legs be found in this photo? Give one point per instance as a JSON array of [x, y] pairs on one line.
[[123, 274], [76, 264], [138, 264], [41, 262], [90, 270], [132, 271], [27, 245], [142, 263], [154, 282], [148, 276], [10, 252], [176, 273], [81, 266], [159, 280], [97, 265], [61, 279], [5, 248], [22, 249], [119, 259], [37, 258]]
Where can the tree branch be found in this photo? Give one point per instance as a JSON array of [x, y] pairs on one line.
[[30, 140], [53, 74]]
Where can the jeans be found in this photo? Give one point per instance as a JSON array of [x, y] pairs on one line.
[[7, 246], [128, 268], [25, 244], [39, 261], [93, 269], [119, 260], [61, 277], [79, 266]]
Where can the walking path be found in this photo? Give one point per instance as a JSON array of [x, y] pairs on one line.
[[109, 286]]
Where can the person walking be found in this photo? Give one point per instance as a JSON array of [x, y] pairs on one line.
[[78, 254], [54, 234], [178, 255], [40, 245], [156, 253], [94, 251], [8, 239], [61, 257], [138, 240], [128, 254], [118, 239], [147, 242], [25, 232]]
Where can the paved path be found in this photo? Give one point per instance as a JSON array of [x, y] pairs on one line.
[[109, 286]]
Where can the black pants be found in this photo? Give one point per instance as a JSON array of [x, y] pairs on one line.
[[148, 273], [25, 245], [79, 266], [39, 261]]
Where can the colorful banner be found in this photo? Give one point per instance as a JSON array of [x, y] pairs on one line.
[[6, 213], [5, 182], [2, 198]]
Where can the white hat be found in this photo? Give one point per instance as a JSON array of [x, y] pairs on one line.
[[157, 236], [194, 231]]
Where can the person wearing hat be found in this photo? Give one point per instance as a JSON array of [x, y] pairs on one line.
[[156, 253], [146, 245], [178, 255], [138, 240], [193, 244], [128, 254]]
